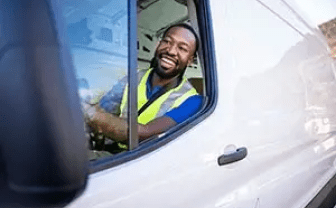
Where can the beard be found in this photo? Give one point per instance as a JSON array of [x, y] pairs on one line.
[[162, 73]]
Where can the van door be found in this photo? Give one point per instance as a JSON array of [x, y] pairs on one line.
[[261, 105]]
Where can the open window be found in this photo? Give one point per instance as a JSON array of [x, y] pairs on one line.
[[151, 26], [111, 40]]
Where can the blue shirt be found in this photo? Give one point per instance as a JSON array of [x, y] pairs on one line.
[[186, 109]]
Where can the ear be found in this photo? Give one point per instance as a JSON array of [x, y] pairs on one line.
[[191, 60], [158, 43]]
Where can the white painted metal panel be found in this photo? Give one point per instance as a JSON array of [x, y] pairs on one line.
[[262, 105]]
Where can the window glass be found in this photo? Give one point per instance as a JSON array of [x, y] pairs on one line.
[[105, 34], [95, 29], [98, 35]]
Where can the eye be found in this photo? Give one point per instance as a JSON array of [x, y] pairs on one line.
[[165, 41], [184, 49]]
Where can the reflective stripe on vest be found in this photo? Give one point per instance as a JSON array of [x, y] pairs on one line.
[[171, 99]]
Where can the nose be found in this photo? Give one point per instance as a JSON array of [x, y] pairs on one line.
[[172, 50]]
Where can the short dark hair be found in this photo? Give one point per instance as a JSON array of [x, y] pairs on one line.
[[188, 27]]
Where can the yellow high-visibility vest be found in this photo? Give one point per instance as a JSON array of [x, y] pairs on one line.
[[166, 102]]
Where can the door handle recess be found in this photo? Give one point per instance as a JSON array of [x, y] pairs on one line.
[[235, 156]]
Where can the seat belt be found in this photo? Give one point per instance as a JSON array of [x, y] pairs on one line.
[[156, 95]]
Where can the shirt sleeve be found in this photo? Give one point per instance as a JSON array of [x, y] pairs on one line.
[[111, 101], [186, 109]]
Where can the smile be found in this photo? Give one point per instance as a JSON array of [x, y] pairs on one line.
[[168, 61]]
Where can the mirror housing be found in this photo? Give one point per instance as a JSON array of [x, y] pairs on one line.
[[43, 152]]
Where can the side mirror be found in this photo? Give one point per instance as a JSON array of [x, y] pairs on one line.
[[43, 153]]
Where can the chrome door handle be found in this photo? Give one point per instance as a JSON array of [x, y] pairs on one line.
[[237, 155]]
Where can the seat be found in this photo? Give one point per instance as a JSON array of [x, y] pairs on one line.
[[197, 83]]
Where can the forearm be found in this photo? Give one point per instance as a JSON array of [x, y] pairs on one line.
[[155, 127], [117, 128], [109, 125]]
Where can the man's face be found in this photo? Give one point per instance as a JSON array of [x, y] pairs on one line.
[[174, 52]]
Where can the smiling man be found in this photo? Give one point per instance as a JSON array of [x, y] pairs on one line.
[[165, 97]]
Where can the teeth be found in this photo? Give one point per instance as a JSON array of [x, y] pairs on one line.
[[168, 61]]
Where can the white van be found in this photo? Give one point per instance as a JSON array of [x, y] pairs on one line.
[[264, 137]]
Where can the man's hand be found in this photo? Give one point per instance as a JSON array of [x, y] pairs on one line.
[[116, 128]]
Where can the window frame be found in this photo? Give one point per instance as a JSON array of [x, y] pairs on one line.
[[132, 75], [211, 90]]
